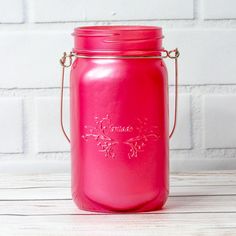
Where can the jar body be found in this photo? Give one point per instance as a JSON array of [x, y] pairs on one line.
[[119, 134]]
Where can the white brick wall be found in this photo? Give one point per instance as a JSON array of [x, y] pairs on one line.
[[11, 125], [220, 121], [219, 9], [204, 54], [35, 58], [33, 35], [81, 10], [11, 11], [182, 138], [49, 135]]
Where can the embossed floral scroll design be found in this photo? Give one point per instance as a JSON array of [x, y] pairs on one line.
[[104, 127]]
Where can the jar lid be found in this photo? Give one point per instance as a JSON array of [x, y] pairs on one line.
[[118, 40]]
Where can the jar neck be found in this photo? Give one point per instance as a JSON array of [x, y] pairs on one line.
[[118, 40]]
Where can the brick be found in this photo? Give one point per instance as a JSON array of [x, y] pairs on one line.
[[80, 10], [34, 62], [11, 11], [219, 9], [219, 121], [49, 135], [206, 56], [202, 164], [35, 57], [182, 138], [11, 126]]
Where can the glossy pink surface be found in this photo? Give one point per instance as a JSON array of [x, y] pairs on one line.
[[119, 132]]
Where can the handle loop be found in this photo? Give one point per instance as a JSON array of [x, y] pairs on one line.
[[65, 64], [67, 60], [174, 54]]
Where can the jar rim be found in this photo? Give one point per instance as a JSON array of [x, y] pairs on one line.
[[118, 39], [116, 27]]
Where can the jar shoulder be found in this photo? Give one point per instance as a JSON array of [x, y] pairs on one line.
[[103, 68]]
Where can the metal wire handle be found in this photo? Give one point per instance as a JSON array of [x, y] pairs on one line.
[[67, 59]]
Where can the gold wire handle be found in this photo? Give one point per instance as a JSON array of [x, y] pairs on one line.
[[64, 63], [67, 60]]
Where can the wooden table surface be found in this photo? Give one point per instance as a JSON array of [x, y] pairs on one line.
[[202, 203]]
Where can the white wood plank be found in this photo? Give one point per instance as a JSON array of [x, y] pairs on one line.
[[200, 204], [210, 190], [174, 205], [130, 224], [65, 193], [63, 180], [46, 180], [35, 193], [203, 178]]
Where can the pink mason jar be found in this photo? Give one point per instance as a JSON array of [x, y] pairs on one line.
[[119, 118]]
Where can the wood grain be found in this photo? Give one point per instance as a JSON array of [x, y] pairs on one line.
[[199, 204]]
